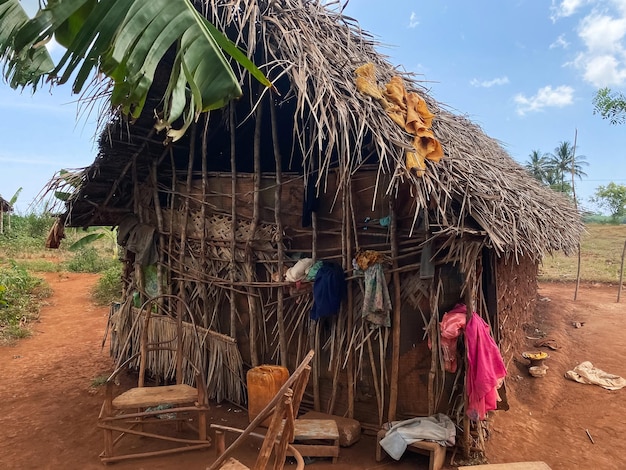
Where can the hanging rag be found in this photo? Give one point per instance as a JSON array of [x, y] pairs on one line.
[[366, 258], [329, 289], [438, 428], [142, 241], [127, 223], [299, 270], [451, 326], [138, 238], [485, 368], [376, 300]]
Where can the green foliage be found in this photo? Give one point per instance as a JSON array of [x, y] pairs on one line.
[[15, 196], [21, 66], [613, 198], [562, 163], [99, 381], [109, 287], [39, 265], [27, 234], [554, 170], [126, 40], [20, 298], [89, 260], [610, 105]]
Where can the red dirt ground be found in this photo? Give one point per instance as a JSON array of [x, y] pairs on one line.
[[49, 406]]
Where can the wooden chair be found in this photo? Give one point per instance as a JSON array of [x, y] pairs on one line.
[[156, 407], [280, 433]]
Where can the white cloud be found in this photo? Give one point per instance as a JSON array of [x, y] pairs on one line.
[[602, 33], [603, 61], [413, 20], [546, 97], [489, 83], [560, 42], [604, 70], [565, 8]]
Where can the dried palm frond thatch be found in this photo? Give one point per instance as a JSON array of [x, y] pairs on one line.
[[310, 51]]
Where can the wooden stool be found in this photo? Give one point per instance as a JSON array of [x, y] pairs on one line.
[[436, 453], [317, 431]]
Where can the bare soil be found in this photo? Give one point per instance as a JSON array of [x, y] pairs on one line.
[[50, 397]]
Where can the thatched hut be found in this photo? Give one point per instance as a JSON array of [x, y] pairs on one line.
[[5, 208], [319, 169]]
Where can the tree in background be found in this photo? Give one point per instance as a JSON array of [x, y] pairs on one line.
[[537, 165], [610, 105], [562, 163], [611, 197]]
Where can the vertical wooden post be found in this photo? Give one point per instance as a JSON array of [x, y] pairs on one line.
[[233, 216], [282, 337], [313, 325], [621, 274], [395, 323], [251, 264], [160, 227], [346, 251], [205, 184], [185, 219], [469, 304]]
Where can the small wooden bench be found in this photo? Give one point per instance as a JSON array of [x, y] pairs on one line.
[[436, 452], [316, 438]]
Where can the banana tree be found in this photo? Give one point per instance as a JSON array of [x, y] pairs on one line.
[[125, 40]]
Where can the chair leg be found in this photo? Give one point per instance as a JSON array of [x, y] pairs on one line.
[[220, 442], [105, 412]]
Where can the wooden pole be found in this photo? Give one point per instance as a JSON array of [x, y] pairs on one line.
[[576, 207], [395, 323], [185, 222], [160, 226], [233, 217], [350, 307], [205, 183], [621, 274], [251, 264], [282, 337]]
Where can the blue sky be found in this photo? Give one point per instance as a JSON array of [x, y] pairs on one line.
[[526, 71]]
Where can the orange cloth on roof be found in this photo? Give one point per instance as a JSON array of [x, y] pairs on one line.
[[409, 111]]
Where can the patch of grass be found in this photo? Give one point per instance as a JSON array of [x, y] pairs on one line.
[[601, 253], [99, 381], [40, 265], [109, 287], [21, 295]]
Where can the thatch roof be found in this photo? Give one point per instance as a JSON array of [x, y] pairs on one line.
[[310, 52], [5, 206]]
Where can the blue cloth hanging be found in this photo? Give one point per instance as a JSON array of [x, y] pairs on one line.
[[328, 290]]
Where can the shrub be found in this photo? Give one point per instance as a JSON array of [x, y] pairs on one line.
[[20, 298], [89, 260], [109, 286]]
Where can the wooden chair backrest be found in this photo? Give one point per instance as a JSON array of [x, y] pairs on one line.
[[295, 384], [271, 441], [174, 344]]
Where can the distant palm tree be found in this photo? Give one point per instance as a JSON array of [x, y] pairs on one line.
[[537, 165], [563, 162]]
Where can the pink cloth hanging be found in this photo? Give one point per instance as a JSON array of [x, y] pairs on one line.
[[451, 326], [486, 369]]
